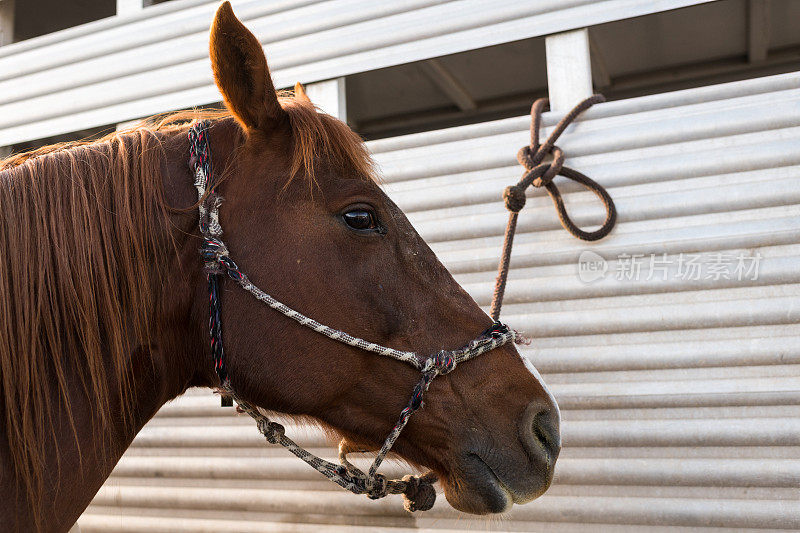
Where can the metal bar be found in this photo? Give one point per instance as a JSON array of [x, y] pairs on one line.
[[128, 124], [711, 472], [330, 96], [129, 7], [569, 68]]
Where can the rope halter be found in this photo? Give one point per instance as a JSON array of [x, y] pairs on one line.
[[417, 491]]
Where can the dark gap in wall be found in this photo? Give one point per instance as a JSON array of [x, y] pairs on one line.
[[33, 18]]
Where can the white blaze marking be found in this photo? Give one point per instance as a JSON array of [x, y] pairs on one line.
[[540, 379]]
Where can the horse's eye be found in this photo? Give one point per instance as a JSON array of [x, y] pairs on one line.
[[360, 219]]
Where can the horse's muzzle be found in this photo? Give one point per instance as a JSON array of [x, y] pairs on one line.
[[492, 475]]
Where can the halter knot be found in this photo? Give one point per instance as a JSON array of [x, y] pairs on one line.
[[440, 363], [212, 249], [419, 494], [271, 430], [376, 486], [496, 330]]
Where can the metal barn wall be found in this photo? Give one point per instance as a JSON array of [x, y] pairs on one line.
[[680, 397], [128, 67]]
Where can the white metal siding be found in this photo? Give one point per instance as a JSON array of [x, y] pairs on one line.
[[128, 67], [680, 399]]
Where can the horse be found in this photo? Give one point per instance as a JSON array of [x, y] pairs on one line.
[[104, 310]]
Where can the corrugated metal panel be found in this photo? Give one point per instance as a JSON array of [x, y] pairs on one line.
[[128, 67], [680, 397]]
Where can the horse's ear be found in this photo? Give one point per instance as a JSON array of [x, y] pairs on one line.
[[300, 93], [241, 72]]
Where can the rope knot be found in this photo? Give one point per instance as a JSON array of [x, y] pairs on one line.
[[440, 363], [212, 249], [527, 157], [377, 486], [552, 170], [271, 430], [514, 197], [419, 494]]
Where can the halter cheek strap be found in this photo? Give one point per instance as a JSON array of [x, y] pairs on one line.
[[417, 491]]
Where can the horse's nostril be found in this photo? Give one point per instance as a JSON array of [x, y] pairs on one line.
[[546, 429], [540, 432]]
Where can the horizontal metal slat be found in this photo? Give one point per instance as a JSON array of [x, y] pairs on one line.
[[650, 338], [405, 37], [108, 36], [166, 66], [110, 519], [491, 219], [697, 412], [432, 198], [645, 471], [750, 230], [173, 49], [735, 117], [570, 287], [667, 394], [659, 355], [678, 511], [635, 302], [667, 317], [776, 254], [688, 375], [728, 432]]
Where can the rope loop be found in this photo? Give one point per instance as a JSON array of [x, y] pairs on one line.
[[541, 174], [526, 156], [552, 170]]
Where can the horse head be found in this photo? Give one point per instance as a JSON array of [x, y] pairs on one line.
[[304, 216]]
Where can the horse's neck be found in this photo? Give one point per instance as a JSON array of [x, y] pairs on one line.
[[79, 462], [81, 457]]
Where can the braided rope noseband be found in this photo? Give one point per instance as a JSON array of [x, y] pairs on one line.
[[417, 491]]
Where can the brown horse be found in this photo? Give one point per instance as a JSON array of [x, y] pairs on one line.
[[103, 309]]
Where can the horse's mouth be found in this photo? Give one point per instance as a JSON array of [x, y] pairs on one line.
[[476, 487]]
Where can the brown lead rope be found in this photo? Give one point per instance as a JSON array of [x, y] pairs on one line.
[[540, 174]]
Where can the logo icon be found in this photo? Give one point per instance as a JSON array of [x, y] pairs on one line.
[[591, 266]]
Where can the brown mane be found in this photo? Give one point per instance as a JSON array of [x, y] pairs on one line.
[[313, 132], [82, 241]]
